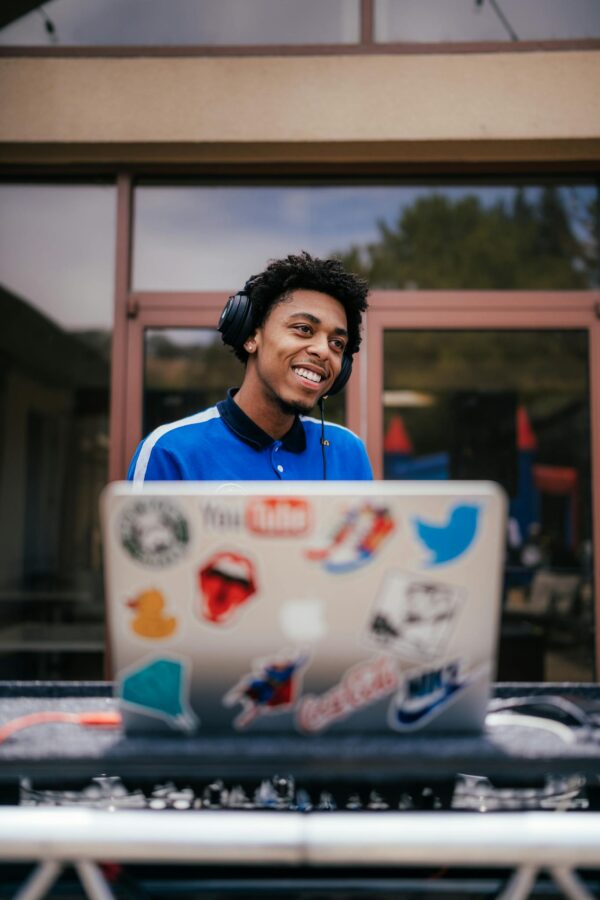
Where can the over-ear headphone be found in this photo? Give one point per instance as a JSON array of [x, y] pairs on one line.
[[236, 324]]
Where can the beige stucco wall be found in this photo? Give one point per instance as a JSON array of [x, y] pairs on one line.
[[521, 106]]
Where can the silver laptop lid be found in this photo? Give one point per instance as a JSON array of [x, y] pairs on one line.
[[305, 607]]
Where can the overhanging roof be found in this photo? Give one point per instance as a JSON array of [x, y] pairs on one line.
[[14, 9]]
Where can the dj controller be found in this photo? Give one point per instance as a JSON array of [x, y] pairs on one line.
[[513, 813]]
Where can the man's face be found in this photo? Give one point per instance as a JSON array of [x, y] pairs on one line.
[[299, 349]]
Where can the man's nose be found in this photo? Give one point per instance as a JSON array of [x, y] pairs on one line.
[[319, 345]]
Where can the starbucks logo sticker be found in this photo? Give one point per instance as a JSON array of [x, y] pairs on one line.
[[154, 532]]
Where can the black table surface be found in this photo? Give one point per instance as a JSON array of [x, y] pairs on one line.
[[65, 753]]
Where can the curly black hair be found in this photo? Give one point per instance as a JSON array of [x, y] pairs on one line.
[[306, 272]]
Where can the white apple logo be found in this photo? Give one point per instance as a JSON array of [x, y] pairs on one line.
[[303, 620]]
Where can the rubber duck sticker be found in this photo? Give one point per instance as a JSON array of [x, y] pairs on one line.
[[150, 620], [159, 689], [355, 539], [448, 540], [272, 687], [414, 617], [226, 581]]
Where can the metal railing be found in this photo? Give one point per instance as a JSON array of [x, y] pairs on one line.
[[525, 842]]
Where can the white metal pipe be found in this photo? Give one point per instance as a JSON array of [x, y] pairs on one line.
[[467, 839], [40, 881], [93, 881]]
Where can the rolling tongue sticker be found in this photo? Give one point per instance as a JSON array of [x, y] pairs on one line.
[[227, 581]]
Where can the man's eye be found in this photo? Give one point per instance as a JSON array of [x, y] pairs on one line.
[[305, 329], [338, 345]]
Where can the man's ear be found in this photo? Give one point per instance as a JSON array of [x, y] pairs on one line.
[[250, 344]]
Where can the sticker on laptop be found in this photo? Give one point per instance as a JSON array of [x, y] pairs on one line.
[[303, 619], [446, 541], [279, 516], [159, 689], [424, 695], [150, 617], [362, 685], [226, 582], [271, 687], [355, 538], [154, 532], [414, 616]]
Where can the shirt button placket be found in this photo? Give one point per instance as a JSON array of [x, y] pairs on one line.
[[278, 468]]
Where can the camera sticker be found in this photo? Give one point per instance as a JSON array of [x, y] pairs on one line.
[[413, 616]]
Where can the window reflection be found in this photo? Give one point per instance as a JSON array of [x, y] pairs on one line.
[[56, 262], [494, 236], [187, 370], [457, 21], [181, 22], [512, 407]]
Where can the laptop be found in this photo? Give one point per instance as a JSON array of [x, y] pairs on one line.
[[304, 608]]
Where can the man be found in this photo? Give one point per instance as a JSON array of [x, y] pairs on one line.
[[296, 327]]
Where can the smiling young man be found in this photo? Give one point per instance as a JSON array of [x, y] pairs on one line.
[[295, 327]]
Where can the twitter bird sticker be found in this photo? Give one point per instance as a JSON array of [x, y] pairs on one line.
[[449, 540]]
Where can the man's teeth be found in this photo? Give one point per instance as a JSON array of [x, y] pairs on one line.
[[312, 376]]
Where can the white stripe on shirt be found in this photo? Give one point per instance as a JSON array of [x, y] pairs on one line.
[[143, 459]]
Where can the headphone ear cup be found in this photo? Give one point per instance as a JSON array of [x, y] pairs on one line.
[[235, 323], [345, 372]]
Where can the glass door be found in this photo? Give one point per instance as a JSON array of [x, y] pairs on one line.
[[510, 403]]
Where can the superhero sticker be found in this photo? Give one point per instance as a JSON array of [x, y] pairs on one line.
[[447, 541], [271, 687], [153, 532], [354, 539], [150, 618], [414, 616], [226, 582], [159, 689]]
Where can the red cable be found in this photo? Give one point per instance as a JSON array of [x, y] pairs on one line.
[[89, 719]]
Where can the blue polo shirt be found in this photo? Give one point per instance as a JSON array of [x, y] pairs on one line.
[[223, 444]]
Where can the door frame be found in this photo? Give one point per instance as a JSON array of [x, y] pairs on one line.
[[489, 310]]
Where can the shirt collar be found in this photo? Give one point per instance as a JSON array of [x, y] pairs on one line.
[[243, 426]]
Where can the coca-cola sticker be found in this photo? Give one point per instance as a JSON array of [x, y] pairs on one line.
[[362, 685]]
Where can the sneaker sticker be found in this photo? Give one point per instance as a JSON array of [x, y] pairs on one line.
[[448, 540], [424, 695], [413, 616], [154, 532], [226, 582], [354, 540], [361, 685], [159, 689], [150, 618], [271, 687]]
